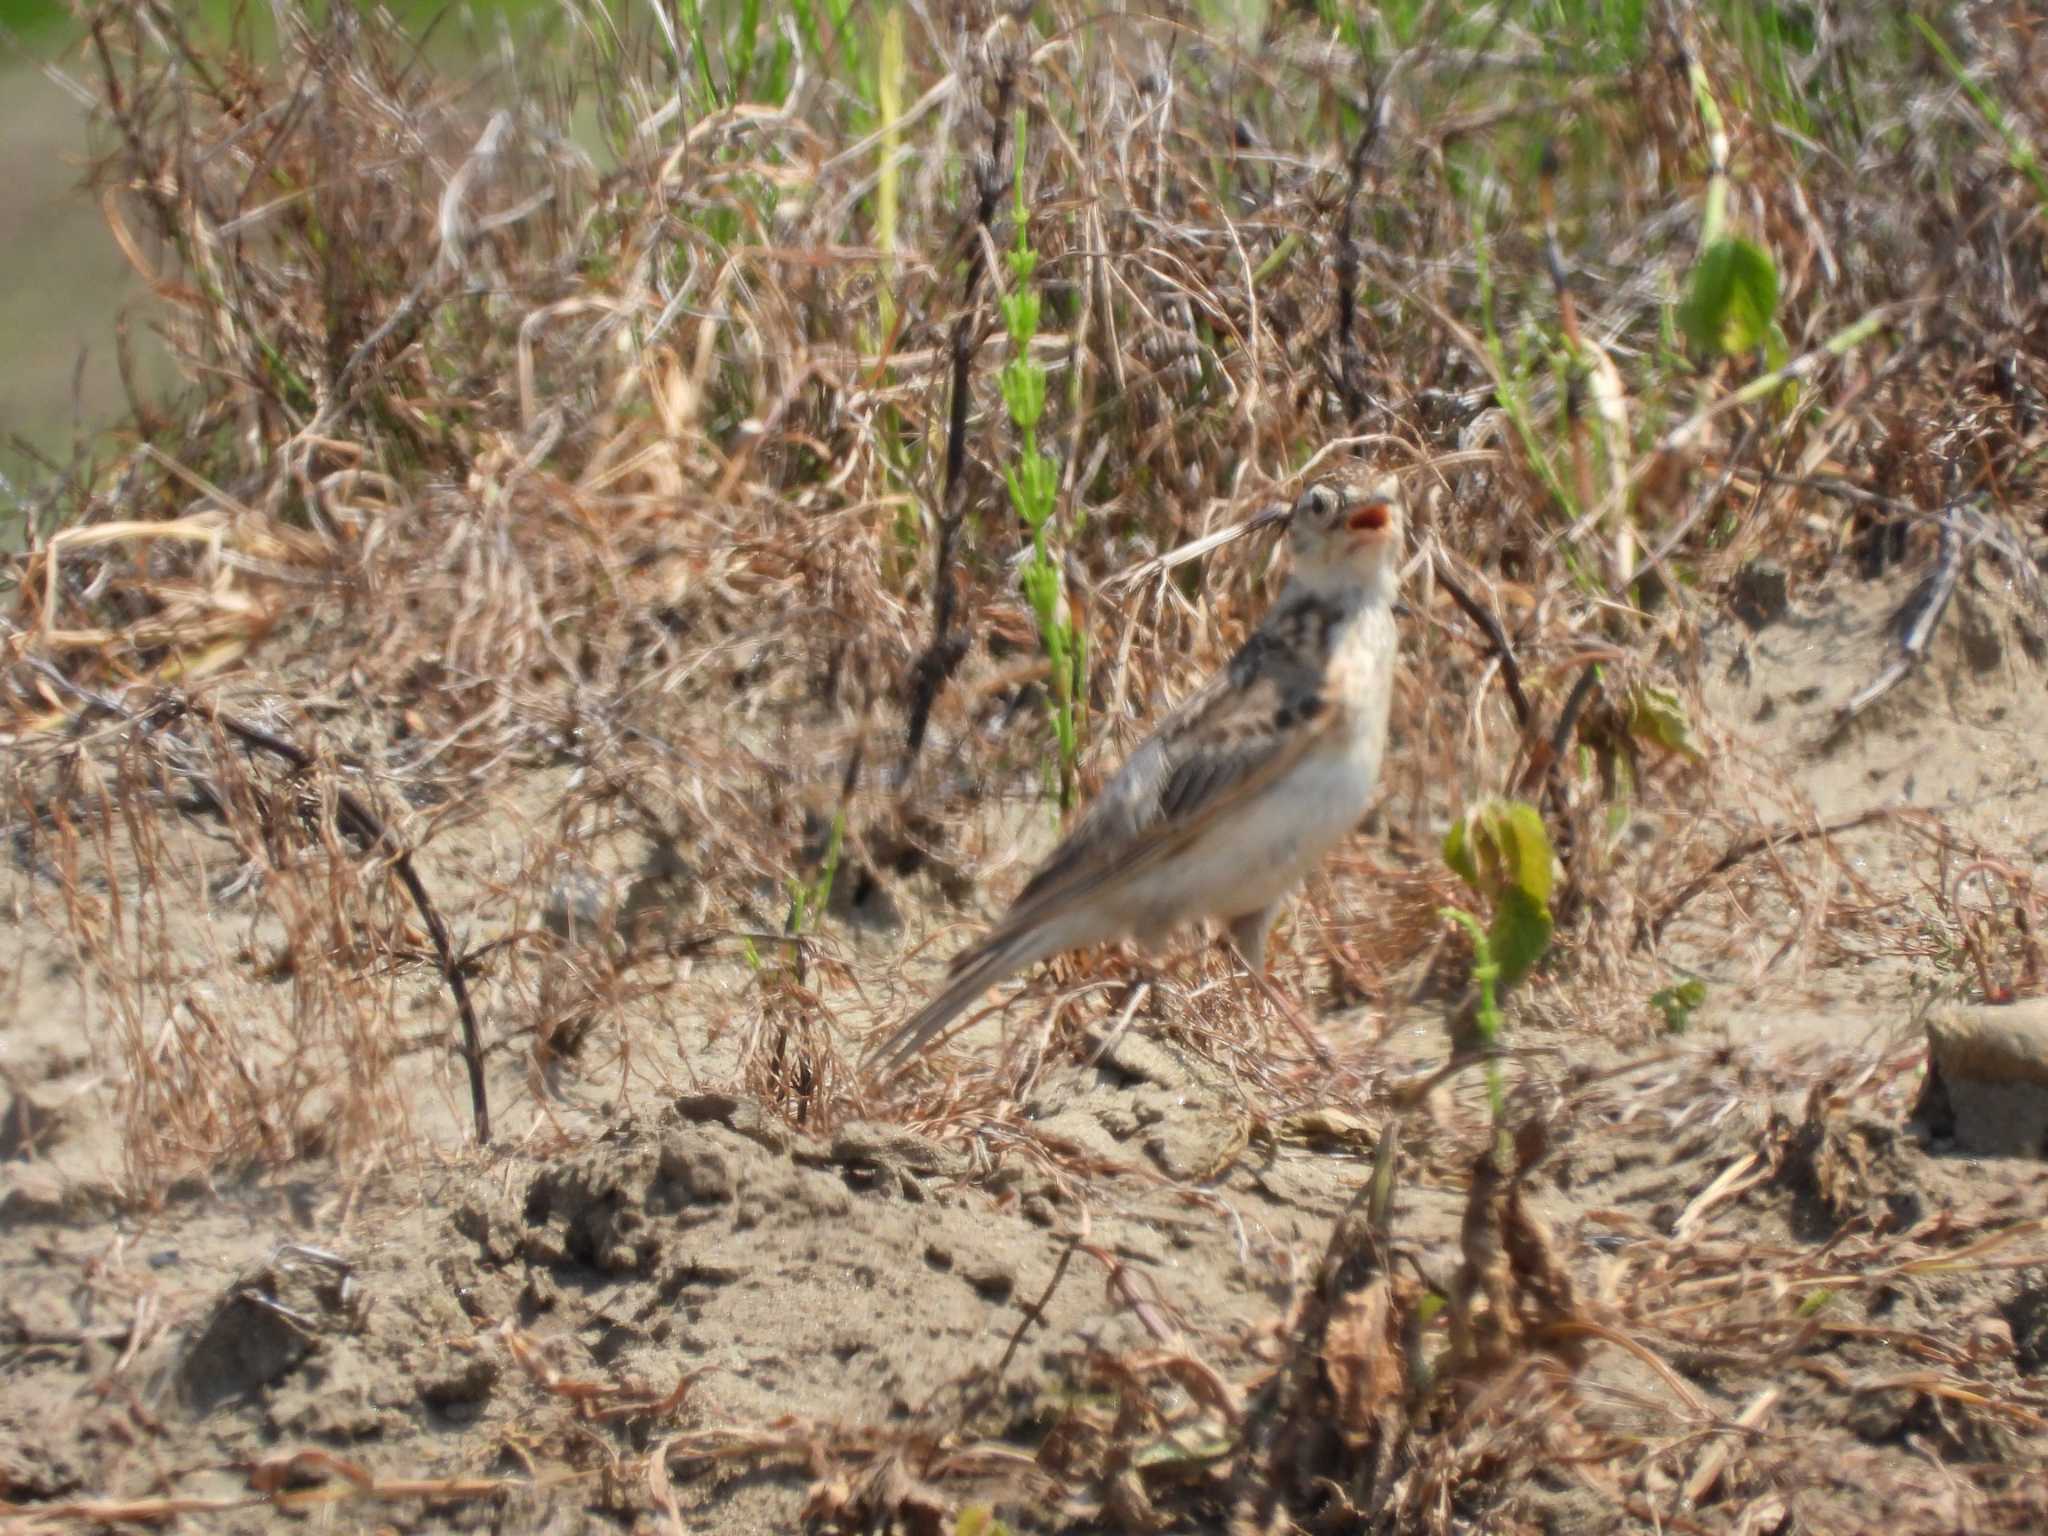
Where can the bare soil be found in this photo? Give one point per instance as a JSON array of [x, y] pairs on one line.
[[652, 1302]]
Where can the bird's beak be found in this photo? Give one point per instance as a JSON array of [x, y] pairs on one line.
[[1369, 517], [1268, 515]]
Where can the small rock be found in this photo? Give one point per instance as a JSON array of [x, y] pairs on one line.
[[1990, 1064], [656, 895], [540, 1295], [992, 1277], [1991, 1338], [39, 1196], [1141, 1059], [265, 1324]]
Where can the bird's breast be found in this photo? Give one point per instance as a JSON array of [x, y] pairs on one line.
[[1360, 670]]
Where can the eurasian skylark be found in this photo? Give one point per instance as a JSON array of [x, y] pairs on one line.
[[1227, 806]]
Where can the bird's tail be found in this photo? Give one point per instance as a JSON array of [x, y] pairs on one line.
[[973, 973]]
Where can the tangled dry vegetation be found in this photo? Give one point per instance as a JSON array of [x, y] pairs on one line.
[[569, 618]]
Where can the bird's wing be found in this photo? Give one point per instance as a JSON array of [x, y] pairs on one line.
[[1243, 730]]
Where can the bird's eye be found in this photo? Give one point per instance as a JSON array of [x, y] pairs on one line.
[[1319, 505]]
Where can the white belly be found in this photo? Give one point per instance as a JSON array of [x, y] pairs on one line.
[[1263, 848]]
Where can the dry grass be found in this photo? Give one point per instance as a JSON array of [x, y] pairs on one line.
[[591, 475]]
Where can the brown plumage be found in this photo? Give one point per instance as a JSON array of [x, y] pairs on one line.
[[1241, 790]]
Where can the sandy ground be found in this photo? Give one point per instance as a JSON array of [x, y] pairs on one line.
[[649, 1271]]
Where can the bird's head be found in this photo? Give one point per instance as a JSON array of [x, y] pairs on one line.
[[1346, 533]]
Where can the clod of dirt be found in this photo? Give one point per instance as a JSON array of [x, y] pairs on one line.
[[1978, 632], [656, 894], [268, 1322], [29, 1129], [2027, 1315], [250, 1342], [1193, 1149], [1840, 1167], [1138, 1058], [872, 1155], [465, 1383], [616, 1207], [990, 1275], [1761, 594], [1190, 1121], [746, 1116], [35, 1464], [1987, 1078]]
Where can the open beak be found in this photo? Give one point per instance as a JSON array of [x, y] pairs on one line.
[[1371, 518]]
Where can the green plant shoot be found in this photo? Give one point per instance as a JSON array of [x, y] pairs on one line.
[[807, 898], [1486, 976], [1033, 479], [1500, 849], [1677, 1003]]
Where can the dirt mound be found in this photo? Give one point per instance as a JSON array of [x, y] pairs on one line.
[[754, 1316]]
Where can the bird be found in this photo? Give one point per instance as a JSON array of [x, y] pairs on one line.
[[1239, 793]]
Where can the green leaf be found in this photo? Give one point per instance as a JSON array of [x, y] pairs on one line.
[[1777, 358], [743, 48], [1054, 638], [1020, 312], [1502, 843], [1022, 262], [1021, 133], [1678, 1003], [1458, 854], [1733, 297], [1501, 849], [1034, 483], [1520, 934], [1777, 350], [1023, 385], [1658, 716]]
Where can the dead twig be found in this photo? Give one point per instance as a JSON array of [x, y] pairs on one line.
[[1917, 620], [947, 649]]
